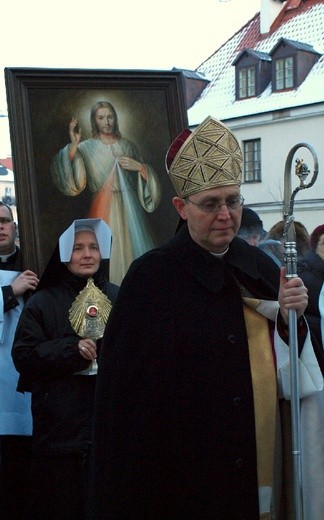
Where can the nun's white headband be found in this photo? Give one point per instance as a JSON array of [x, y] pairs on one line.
[[97, 226]]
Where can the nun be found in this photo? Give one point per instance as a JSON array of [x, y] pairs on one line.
[[56, 351]]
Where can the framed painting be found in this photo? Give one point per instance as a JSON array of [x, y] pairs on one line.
[[92, 143]]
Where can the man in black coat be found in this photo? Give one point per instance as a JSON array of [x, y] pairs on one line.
[[185, 410]]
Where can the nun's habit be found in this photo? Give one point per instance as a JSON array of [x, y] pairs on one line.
[[46, 354]]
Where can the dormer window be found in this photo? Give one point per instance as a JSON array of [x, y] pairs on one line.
[[252, 73], [246, 86], [284, 73], [285, 67], [291, 63]]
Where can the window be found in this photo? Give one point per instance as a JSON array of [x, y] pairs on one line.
[[284, 73], [252, 160], [247, 82], [253, 71], [7, 198]]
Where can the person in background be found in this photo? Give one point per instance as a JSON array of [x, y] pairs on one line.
[[15, 412], [186, 423], [311, 270], [273, 243], [55, 349], [274, 249], [251, 228]]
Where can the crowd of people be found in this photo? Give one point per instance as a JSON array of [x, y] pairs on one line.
[[167, 397], [272, 241]]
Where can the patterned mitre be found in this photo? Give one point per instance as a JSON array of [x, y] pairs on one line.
[[208, 157]]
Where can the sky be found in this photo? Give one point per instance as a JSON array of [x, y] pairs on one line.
[[116, 34], [113, 34]]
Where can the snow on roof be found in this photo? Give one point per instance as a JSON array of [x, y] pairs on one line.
[[303, 25]]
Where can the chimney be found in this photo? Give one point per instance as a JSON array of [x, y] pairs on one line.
[[269, 12]]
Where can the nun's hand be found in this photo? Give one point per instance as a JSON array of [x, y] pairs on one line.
[[88, 349]]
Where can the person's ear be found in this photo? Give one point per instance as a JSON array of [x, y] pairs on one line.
[[180, 206]]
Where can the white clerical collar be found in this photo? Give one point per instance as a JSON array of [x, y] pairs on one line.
[[219, 255], [4, 258]]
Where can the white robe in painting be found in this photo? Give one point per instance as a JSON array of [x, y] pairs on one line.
[[15, 407], [121, 197]]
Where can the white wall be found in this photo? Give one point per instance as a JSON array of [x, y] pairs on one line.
[[5, 145], [279, 133]]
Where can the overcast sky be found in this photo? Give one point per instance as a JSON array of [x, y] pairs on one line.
[[108, 34], [126, 34]]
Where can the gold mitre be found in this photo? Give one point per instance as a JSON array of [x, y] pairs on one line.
[[208, 157]]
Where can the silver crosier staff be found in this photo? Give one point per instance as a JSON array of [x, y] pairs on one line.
[[290, 261]]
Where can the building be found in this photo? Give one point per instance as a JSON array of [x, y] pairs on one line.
[[266, 84], [7, 184]]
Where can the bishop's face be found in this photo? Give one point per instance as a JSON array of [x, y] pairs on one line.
[[85, 259], [213, 231]]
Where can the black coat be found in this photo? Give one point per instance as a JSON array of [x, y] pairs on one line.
[[45, 353], [174, 431]]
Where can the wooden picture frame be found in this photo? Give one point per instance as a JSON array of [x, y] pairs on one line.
[[41, 102]]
